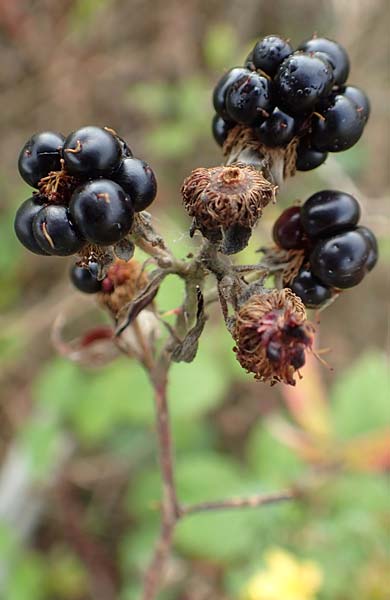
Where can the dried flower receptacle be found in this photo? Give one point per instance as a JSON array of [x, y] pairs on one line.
[[226, 197], [272, 336]]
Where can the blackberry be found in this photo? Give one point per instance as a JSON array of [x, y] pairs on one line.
[[371, 239], [339, 128], [358, 97], [269, 53], [288, 232], [85, 280], [336, 54], [340, 261], [307, 157], [277, 130], [249, 99], [301, 81], [311, 290], [220, 129], [102, 211], [222, 88], [91, 152], [54, 231], [328, 212], [23, 224], [137, 179], [40, 155]]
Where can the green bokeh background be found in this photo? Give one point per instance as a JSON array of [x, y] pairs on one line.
[[147, 69]]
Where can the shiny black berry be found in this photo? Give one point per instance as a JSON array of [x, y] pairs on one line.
[[288, 232], [91, 152], [336, 54], [137, 179], [220, 129], [55, 232], [340, 261], [301, 81], [85, 280], [311, 290], [23, 224], [223, 86], [40, 155], [277, 130], [102, 211], [328, 212], [371, 239], [307, 157], [340, 126], [269, 53], [249, 99], [358, 97]]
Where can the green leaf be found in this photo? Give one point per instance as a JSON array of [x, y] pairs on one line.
[[361, 397], [270, 460]]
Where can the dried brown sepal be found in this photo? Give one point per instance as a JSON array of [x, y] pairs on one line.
[[272, 336], [58, 186], [122, 283], [286, 262], [277, 163], [226, 195]]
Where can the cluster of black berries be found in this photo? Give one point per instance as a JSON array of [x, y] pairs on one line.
[[337, 253], [89, 186], [282, 94]]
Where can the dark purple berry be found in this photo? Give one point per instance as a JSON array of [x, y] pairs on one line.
[[311, 290], [340, 261], [220, 129], [301, 81], [249, 99], [277, 130], [371, 239], [54, 231], [102, 211], [23, 224], [358, 97], [85, 280], [287, 231], [40, 155], [328, 212], [340, 126], [91, 152], [269, 53], [274, 351], [137, 179], [222, 88], [307, 157], [297, 357], [335, 53]]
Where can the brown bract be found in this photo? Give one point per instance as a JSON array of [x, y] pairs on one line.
[[272, 335], [227, 195], [243, 139], [124, 280]]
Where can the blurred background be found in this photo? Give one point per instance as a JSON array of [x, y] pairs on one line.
[[79, 487]]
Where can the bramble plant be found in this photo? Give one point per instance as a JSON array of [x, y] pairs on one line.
[[283, 111]]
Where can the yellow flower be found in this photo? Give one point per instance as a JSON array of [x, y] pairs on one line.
[[284, 578]]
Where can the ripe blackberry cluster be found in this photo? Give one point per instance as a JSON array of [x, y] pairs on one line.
[[88, 187], [282, 94], [336, 252]]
